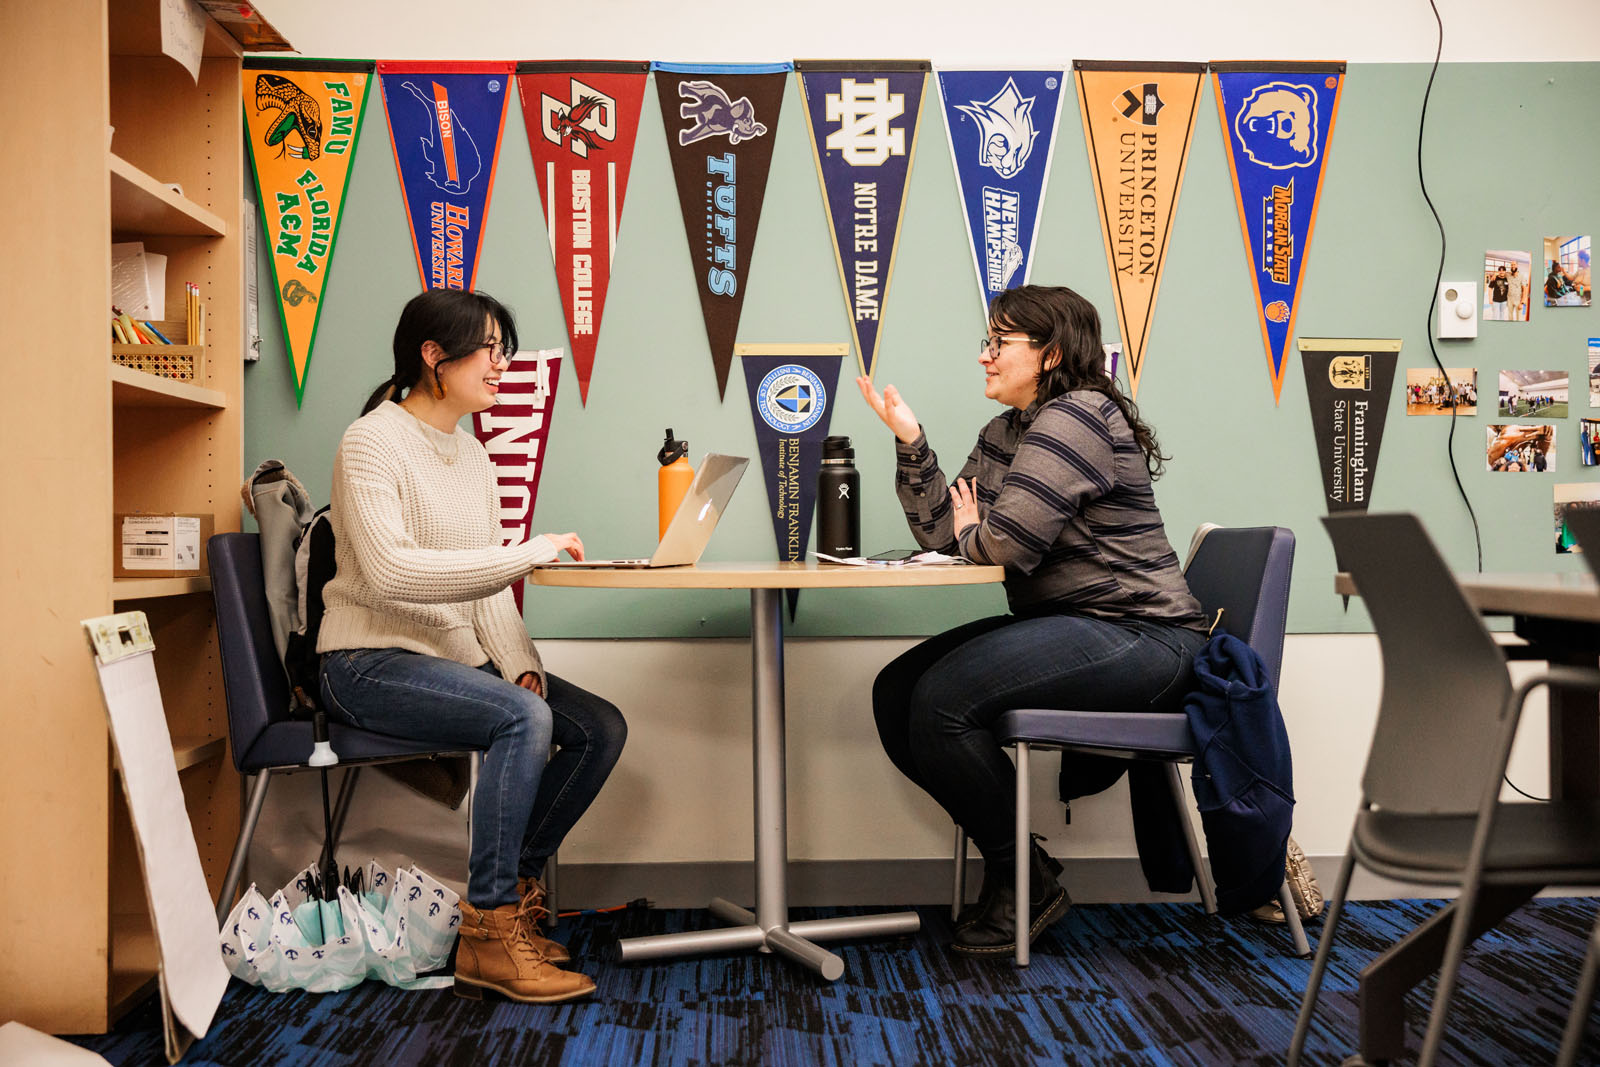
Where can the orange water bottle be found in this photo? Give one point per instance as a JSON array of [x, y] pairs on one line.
[[673, 479]]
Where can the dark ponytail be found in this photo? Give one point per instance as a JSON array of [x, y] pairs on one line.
[[1060, 321], [452, 319]]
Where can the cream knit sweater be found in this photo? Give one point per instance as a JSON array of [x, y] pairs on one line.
[[416, 523]]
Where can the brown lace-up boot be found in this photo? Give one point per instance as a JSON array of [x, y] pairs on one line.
[[496, 954], [531, 890]]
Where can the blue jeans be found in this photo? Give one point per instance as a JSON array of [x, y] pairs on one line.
[[526, 800], [936, 703]]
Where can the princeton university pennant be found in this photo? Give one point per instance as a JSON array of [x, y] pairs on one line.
[[862, 115], [791, 400], [1277, 119], [721, 121], [995, 119], [514, 432], [1138, 120], [582, 119], [302, 120], [445, 121]]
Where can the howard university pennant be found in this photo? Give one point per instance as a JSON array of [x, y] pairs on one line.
[[995, 119], [514, 432], [1138, 120], [721, 121], [863, 121], [1277, 119], [302, 120], [582, 119], [445, 121]]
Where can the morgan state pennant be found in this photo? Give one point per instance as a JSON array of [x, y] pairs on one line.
[[721, 121], [862, 115], [1138, 120], [302, 119], [582, 119], [1277, 119], [445, 121]]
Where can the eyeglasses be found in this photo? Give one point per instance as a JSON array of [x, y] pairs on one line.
[[992, 342], [497, 351]]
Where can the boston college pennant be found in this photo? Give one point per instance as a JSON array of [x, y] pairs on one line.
[[582, 119], [1138, 120], [721, 121]]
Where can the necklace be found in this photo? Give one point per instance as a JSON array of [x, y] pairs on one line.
[[431, 435]]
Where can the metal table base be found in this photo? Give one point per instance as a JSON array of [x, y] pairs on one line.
[[768, 928]]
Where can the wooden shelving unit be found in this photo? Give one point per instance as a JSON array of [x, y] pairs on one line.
[[104, 439]]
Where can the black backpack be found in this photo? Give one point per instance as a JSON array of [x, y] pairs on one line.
[[314, 566]]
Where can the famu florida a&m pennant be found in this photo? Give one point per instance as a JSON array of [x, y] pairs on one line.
[[1277, 119], [721, 121], [862, 115], [1138, 120], [582, 119], [445, 121], [1002, 127], [302, 119], [514, 432], [791, 403]]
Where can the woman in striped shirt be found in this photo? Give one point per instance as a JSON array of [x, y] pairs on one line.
[[1057, 491]]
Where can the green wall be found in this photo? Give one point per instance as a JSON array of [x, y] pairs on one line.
[[1510, 160]]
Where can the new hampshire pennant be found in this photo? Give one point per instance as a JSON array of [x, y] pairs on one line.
[[1138, 120], [514, 433], [302, 120], [862, 115], [1277, 119], [791, 403], [995, 119], [445, 121], [582, 119], [721, 121]]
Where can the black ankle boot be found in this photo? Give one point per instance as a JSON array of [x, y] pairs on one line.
[[993, 930], [993, 880]]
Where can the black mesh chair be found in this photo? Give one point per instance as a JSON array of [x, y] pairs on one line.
[[1430, 809], [1242, 573], [265, 738]]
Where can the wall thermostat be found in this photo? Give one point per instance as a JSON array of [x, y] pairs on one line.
[[1458, 310]]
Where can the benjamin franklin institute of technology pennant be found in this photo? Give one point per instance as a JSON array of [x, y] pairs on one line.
[[514, 432], [862, 115], [445, 121], [1277, 120], [582, 119], [302, 119], [1138, 120], [721, 121], [1002, 127]]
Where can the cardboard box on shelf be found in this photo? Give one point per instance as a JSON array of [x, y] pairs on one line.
[[159, 546]]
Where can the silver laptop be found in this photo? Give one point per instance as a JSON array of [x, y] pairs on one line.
[[692, 524]]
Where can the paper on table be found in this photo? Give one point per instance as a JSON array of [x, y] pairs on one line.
[[183, 33], [921, 559]]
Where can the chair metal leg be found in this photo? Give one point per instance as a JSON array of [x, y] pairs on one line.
[[1449, 971], [1582, 1001], [1291, 918], [550, 886], [958, 898], [241, 850], [341, 803], [474, 762], [1024, 857], [1308, 1003], [1202, 873]]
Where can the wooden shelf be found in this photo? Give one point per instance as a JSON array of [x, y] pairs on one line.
[[141, 204], [193, 751], [133, 963], [123, 589], [136, 389]]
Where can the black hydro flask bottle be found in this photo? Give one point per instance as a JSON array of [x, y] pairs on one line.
[[838, 500]]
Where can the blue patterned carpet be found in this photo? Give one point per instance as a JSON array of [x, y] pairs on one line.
[[1111, 984]]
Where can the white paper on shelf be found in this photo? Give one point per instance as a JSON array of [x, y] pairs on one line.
[[921, 559], [183, 33], [138, 281]]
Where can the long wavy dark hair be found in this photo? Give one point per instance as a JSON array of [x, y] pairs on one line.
[[1058, 320], [452, 319]]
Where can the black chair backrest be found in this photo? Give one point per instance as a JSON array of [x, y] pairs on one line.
[[1584, 524], [253, 679], [1244, 572], [1445, 683]]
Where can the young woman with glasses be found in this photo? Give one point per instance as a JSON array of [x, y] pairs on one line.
[[422, 639], [1057, 491]]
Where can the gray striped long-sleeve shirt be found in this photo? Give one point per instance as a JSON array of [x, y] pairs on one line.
[[1065, 505]]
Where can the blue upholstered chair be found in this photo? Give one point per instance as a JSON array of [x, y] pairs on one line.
[[264, 738], [1241, 572]]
